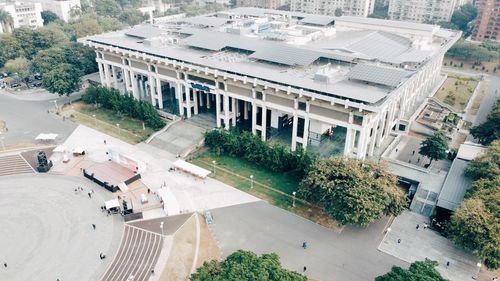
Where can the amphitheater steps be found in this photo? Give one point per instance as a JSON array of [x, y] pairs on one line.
[[13, 165]]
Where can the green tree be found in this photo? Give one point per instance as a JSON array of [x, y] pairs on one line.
[[380, 11], [471, 52], [48, 17], [46, 60], [353, 191], [10, 48], [434, 147], [6, 22], [489, 131], [64, 79], [107, 8], [474, 226], [81, 57], [485, 166], [463, 18], [418, 271], [132, 17], [245, 265], [338, 12], [21, 66]]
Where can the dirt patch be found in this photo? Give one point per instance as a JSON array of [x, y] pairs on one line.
[[476, 103], [456, 91], [181, 256], [208, 246]]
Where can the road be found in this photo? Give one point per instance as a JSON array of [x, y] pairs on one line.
[[26, 116], [262, 228]]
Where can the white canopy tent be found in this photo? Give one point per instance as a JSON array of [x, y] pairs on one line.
[[190, 168], [113, 203], [46, 137], [60, 148]]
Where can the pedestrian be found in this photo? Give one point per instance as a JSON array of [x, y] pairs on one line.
[[396, 150], [90, 194], [149, 190], [413, 153], [304, 245], [447, 263], [418, 160], [494, 279], [93, 226], [5, 264], [76, 191], [305, 268], [152, 272], [418, 226], [104, 141], [399, 241]]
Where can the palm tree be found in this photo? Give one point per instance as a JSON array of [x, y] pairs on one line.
[[6, 21]]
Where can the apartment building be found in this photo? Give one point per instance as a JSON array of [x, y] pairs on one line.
[[357, 8]]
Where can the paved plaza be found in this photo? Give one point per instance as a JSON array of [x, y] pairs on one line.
[[47, 229], [418, 244], [263, 228]]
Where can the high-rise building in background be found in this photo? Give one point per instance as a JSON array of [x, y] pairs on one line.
[[488, 20], [22, 14], [266, 4], [423, 11], [358, 8]]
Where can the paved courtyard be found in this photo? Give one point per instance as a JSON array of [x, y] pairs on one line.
[[46, 229], [418, 244], [262, 228]]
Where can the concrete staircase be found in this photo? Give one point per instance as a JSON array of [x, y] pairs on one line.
[[13, 165]]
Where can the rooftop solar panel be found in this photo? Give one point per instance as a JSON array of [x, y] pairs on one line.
[[380, 75]]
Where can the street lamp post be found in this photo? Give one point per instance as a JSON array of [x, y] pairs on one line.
[[119, 133], [161, 226], [251, 181], [478, 271], [55, 105], [213, 163], [95, 120], [293, 202]]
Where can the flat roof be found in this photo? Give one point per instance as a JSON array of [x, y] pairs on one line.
[[455, 186], [288, 48]]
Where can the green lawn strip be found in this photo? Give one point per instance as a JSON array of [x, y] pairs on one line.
[[236, 172]]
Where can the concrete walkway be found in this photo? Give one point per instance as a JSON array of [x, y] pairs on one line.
[[418, 244]]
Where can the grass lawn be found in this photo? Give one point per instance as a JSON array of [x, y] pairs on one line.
[[274, 188], [456, 91], [105, 121]]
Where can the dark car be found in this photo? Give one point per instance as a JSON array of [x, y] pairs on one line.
[[15, 85], [37, 76]]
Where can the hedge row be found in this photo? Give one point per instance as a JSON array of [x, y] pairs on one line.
[[277, 157], [112, 99]]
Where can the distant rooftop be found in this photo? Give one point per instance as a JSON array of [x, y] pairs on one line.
[[310, 52]]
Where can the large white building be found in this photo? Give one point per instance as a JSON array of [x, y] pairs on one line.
[[332, 85], [358, 8], [23, 14], [422, 10]]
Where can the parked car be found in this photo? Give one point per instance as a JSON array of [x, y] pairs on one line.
[[36, 84], [37, 76], [4, 74], [15, 85]]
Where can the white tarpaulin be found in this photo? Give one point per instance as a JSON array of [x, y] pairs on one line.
[[60, 148], [190, 168], [170, 205], [46, 137], [114, 203]]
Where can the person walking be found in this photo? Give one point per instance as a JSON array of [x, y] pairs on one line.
[[418, 226], [93, 226], [305, 268], [90, 194], [304, 245], [399, 241], [447, 263], [5, 264]]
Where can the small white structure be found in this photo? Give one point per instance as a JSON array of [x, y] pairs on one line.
[[46, 137], [191, 169]]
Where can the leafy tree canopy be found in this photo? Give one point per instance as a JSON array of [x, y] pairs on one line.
[[434, 147], [21, 66], [48, 17], [486, 166], [472, 52], [380, 11], [490, 129], [64, 79], [418, 271], [353, 191], [10, 49], [245, 265], [338, 12], [132, 17]]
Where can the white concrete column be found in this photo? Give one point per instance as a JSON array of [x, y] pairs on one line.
[[349, 138], [179, 88], [226, 111], [217, 109], [245, 110], [306, 133], [294, 132], [126, 80], [373, 139], [188, 100], [107, 75], [233, 107], [264, 122], [135, 88], [159, 96], [208, 100], [101, 73], [195, 101], [362, 144], [115, 79], [254, 118], [152, 89]]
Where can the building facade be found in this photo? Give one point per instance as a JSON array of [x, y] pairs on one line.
[[422, 11], [334, 86], [266, 4], [23, 15], [488, 20], [357, 8]]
